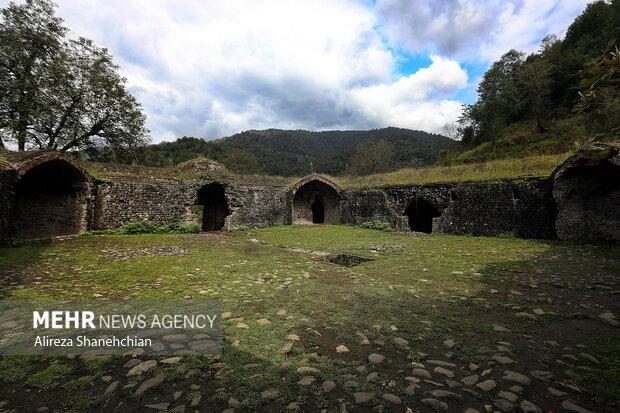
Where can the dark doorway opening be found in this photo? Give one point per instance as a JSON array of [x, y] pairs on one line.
[[318, 210], [420, 214], [51, 200], [315, 202], [212, 197]]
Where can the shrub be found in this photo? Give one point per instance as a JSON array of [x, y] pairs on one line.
[[144, 227], [238, 228], [379, 225], [185, 228]]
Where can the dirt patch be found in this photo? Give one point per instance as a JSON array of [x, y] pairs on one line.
[[347, 260]]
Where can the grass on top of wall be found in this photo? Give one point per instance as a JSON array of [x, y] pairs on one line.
[[531, 166]]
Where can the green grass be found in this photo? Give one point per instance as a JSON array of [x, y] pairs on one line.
[[50, 377], [532, 166], [429, 288]]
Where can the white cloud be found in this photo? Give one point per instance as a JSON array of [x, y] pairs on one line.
[[473, 30], [418, 100], [211, 68]]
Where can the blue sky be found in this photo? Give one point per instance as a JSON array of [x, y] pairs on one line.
[[210, 68]]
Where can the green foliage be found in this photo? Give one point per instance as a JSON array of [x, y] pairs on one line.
[[238, 228], [379, 225], [600, 96], [544, 87], [530, 166], [371, 158], [242, 161], [59, 92], [50, 377], [144, 227], [288, 152]]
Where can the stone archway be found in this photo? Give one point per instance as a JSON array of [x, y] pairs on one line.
[[51, 199], [315, 201], [420, 214], [212, 197]]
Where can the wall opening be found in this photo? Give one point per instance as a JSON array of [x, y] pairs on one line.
[[316, 202], [318, 210], [212, 197], [420, 214], [51, 200]]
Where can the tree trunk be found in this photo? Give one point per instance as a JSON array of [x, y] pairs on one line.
[[21, 141]]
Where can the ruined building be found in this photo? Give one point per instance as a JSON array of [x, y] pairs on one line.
[[45, 194]]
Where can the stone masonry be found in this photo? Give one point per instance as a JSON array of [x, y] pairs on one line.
[[579, 202]]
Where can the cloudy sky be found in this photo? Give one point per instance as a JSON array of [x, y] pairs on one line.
[[210, 68]]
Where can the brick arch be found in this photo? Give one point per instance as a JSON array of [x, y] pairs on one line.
[[315, 200], [52, 197]]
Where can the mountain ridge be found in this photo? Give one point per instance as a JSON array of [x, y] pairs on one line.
[[288, 152]]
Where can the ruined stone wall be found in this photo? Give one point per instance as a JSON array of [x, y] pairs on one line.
[[257, 206], [120, 201], [586, 189], [7, 200], [522, 208]]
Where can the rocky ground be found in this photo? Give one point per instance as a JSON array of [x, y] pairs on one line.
[[428, 323]]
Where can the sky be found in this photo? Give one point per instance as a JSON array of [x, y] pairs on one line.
[[212, 68]]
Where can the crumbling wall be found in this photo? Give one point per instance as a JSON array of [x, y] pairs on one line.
[[257, 206], [158, 201], [587, 193], [161, 201], [522, 208], [7, 203]]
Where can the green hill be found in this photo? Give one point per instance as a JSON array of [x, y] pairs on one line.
[[292, 152]]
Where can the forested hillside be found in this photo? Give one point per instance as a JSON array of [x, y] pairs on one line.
[[565, 95], [299, 152]]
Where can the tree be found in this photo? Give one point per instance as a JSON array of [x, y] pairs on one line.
[[452, 130], [30, 37], [535, 83], [70, 96], [499, 101], [600, 98], [242, 161], [372, 157]]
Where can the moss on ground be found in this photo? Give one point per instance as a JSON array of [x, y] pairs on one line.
[[425, 289]]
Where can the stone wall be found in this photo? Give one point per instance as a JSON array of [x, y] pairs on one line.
[[7, 200], [584, 193], [257, 206], [522, 208], [586, 190], [120, 201]]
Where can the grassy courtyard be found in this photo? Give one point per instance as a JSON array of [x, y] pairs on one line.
[[429, 322]]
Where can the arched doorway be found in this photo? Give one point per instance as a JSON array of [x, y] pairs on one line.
[[315, 201], [212, 197], [420, 214], [51, 200]]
